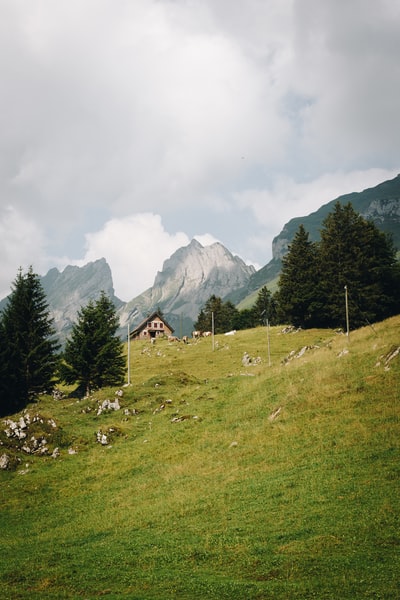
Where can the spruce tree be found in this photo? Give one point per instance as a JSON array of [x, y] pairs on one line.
[[28, 350], [265, 308], [245, 319], [225, 315], [297, 296], [93, 355], [356, 254]]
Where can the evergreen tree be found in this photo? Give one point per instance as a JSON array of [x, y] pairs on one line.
[[28, 350], [225, 315], [265, 308], [93, 355], [245, 319], [354, 253], [204, 319], [202, 322], [297, 296], [4, 380]]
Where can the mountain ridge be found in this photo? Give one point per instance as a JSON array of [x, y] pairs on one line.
[[380, 204], [188, 278], [194, 272]]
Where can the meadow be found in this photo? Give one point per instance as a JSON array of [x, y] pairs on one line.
[[277, 480]]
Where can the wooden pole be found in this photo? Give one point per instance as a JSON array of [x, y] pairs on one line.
[[347, 311], [129, 356], [269, 350]]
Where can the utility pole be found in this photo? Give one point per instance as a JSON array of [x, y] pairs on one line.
[[129, 356], [269, 350], [212, 329], [347, 311], [132, 313], [266, 322]]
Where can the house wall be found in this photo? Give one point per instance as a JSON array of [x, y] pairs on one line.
[[154, 328]]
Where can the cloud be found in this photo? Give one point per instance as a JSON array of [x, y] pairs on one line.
[[206, 239], [20, 240], [135, 247], [274, 207], [345, 63], [220, 117]]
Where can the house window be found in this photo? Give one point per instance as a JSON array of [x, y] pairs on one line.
[[149, 324], [161, 325], [155, 324]]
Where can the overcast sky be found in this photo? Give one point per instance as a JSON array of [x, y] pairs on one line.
[[128, 127]]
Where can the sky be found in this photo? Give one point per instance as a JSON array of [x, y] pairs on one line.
[[129, 127]]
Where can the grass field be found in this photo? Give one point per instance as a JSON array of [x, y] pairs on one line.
[[275, 480]]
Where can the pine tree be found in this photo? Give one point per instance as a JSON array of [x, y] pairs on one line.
[[245, 320], [265, 308], [204, 320], [28, 347], [93, 355], [355, 254], [297, 294], [225, 315]]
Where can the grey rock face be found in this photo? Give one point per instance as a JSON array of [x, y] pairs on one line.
[[187, 280], [68, 291]]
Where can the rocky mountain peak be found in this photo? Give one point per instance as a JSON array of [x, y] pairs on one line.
[[68, 291], [188, 278]]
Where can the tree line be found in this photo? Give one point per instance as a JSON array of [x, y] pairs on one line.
[[353, 255], [31, 362], [353, 259]]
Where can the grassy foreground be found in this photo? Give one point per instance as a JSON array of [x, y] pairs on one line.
[[219, 480]]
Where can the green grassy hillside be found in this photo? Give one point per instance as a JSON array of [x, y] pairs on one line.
[[274, 480]]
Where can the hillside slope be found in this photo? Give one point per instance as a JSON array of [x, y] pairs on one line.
[[279, 479], [380, 204]]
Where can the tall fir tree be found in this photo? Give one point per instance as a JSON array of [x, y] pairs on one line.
[[225, 315], [265, 308], [297, 296], [93, 355], [355, 254], [28, 349]]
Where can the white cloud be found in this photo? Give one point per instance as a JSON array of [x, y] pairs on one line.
[[226, 117], [21, 245], [206, 239], [273, 208], [135, 247], [346, 63]]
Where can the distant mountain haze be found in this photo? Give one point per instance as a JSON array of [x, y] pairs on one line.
[[194, 272]]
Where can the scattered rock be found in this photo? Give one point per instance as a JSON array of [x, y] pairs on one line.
[[290, 329], [180, 418], [130, 411], [275, 413], [108, 405], [4, 462], [293, 354], [387, 358], [105, 437], [343, 352], [58, 394], [102, 438], [247, 361], [35, 432]]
